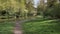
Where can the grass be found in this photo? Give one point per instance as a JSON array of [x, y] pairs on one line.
[[37, 26], [42, 26], [6, 27]]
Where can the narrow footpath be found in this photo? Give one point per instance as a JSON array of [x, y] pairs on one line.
[[18, 26]]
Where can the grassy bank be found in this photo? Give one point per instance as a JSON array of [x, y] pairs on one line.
[[6, 27], [42, 26]]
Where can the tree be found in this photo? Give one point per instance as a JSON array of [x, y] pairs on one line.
[[41, 8], [52, 3], [53, 9], [30, 7]]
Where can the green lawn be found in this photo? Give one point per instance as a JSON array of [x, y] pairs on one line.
[[42, 26], [37, 26], [6, 27]]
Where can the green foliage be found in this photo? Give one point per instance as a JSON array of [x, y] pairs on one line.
[[53, 12], [51, 3]]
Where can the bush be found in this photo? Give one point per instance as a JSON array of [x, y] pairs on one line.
[[53, 12]]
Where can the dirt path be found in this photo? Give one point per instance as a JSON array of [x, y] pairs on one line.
[[18, 26]]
